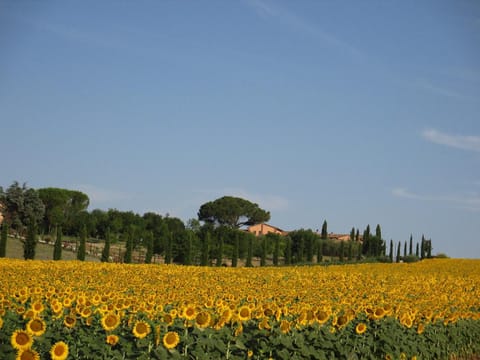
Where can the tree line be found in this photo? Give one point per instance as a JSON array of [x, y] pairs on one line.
[[216, 238]]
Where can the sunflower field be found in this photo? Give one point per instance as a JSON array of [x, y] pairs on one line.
[[80, 310]]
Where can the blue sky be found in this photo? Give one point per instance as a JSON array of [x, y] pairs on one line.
[[354, 112]]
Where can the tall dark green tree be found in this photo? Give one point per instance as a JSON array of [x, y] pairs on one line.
[[30, 241], [127, 259], [236, 250], [352, 234], [83, 244], [3, 240], [366, 247], [390, 254], [405, 249], [288, 251], [106, 248], [324, 233], [342, 251], [350, 250], [422, 248], [429, 249], [276, 249], [149, 245], [417, 251], [57, 247], [205, 250], [220, 245], [411, 245], [319, 251], [169, 249], [249, 262], [357, 235], [263, 256], [398, 251]]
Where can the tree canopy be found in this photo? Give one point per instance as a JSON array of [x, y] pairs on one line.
[[232, 211]]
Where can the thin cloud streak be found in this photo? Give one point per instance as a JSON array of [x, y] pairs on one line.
[[267, 10], [471, 202], [465, 142]]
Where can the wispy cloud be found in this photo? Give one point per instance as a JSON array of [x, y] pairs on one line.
[[265, 201], [469, 202], [266, 9], [100, 196], [438, 90], [465, 142]]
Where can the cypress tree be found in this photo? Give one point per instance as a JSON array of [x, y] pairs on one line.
[[422, 248], [189, 249], [390, 254], [83, 243], [149, 243], [288, 251], [357, 235], [350, 250], [236, 251], [127, 259], [220, 251], [276, 250], [398, 251], [106, 248], [405, 249], [319, 251], [205, 250], [429, 249], [249, 252], [342, 250], [324, 233], [30, 241], [263, 257], [169, 249], [411, 245], [3, 240], [352, 234], [57, 247], [417, 251]]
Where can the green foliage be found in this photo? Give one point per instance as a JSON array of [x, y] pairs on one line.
[[205, 250], [83, 242], [57, 247], [236, 250], [410, 259], [233, 212], [30, 241], [106, 248], [250, 251], [127, 259], [324, 233], [3, 240]]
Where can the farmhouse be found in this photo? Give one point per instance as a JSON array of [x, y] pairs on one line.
[[264, 229]]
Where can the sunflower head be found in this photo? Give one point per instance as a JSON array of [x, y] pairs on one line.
[[70, 321], [28, 354], [202, 320], [360, 328], [36, 326], [21, 340], [59, 351], [112, 340], [244, 313], [171, 339], [141, 329], [110, 321]]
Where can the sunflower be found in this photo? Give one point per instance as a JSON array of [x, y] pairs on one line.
[[378, 313], [322, 316], [141, 329], [341, 321], [189, 312], [168, 319], [59, 351], [285, 326], [70, 321], [360, 328], [244, 313], [21, 340], [202, 320], [36, 327], [112, 340], [110, 321], [171, 340], [27, 354]]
